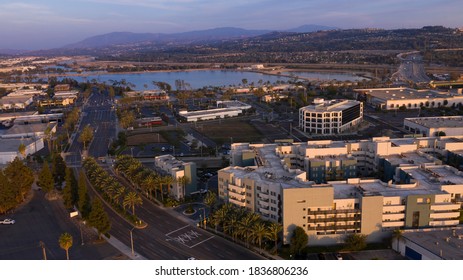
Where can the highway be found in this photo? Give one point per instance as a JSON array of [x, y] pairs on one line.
[[168, 236], [411, 69]]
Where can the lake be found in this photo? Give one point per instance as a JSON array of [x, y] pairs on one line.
[[325, 76], [201, 78]]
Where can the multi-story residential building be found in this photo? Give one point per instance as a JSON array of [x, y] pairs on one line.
[[406, 98], [178, 170], [330, 116], [435, 126], [416, 190]]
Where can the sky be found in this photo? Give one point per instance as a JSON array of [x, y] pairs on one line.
[[43, 24]]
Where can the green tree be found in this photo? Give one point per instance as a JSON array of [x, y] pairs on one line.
[[274, 230], [65, 242], [98, 218], [7, 194], [59, 169], [299, 241], [22, 150], [86, 135], [70, 192], [21, 176], [45, 180], [183, 181], [83, 199], [259, 232], [210, 199], [131, 200], [126, 119], [355, 242]]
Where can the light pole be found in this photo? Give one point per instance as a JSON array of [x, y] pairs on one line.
[[44, 252], [204, 220], [131, 241]]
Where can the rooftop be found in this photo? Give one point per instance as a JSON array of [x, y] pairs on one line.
[[208, 112], [321, 105], [12, 145], [403, 93], [447, 243], [416, 158], [27, 129], [431, 122]]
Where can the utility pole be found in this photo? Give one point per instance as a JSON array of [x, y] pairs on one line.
[[131, 241], [44, 252]]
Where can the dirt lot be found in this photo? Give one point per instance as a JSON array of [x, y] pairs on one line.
[[146, 138], [240, 131]]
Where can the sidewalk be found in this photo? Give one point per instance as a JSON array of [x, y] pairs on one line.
[[123, 248]]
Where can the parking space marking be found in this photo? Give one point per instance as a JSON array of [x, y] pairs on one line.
[[188, 237]]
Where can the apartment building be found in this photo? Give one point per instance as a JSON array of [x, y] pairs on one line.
[[330, 116], [412, 189], [178, 169]]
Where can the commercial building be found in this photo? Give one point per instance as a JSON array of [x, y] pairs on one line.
[[9, 148], [16, 102], [149, 94], [412, 188], [406, 98], [330, 116], [430, 244], [435, 126], [226, 109], [178, 170], [34, 130]]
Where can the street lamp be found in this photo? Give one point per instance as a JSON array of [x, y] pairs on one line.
[[204, 221], [131, 241]]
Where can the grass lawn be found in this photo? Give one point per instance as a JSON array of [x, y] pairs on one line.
[[220, 132]]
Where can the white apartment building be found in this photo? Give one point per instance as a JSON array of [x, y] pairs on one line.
[[433, 126], [330, 116], [226, 109]]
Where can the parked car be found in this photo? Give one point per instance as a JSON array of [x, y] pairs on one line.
[[7, 222]]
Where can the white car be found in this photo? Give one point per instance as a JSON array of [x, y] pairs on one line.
[[7, 222]]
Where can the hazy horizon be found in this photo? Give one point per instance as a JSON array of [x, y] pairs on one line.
[[43, 24]]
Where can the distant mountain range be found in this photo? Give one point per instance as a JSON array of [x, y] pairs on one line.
[[209, 35]]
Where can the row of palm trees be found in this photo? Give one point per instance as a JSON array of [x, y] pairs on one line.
[[245, 226], [110, 189], [146, 179]]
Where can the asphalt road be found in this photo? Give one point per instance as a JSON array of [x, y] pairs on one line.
[[43, 220], [167, 235]]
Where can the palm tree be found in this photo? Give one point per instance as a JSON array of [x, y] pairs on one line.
[[165, 180], [398, 235], [120, 191], [231, 227], [274, 230], [131, 200], [246, 223], [65, 242], [259, 231], [183, 181], [149, 184], [210, 199]]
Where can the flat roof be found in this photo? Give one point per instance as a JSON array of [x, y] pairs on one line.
[[12, 145], [434, 176], [8, 116], [403, 93], [332, 105], [447, 243], [28, 128], [415, 158], [208, 112], [271, 169], [436, 122]]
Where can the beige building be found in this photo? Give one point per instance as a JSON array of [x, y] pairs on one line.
[[178, 169], [420, 192]]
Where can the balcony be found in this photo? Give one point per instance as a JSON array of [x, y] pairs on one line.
[[334, 227], [236, 189], [263, 196], [393, 217], [237, 201], [445, 215], [326, 212], [393, 208], [334, 219], [445, 207], [393, 224], [265, 211], [263, 203], [443, 223]]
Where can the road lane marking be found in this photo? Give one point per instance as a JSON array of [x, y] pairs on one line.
[[177, 230], [202, 242]]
